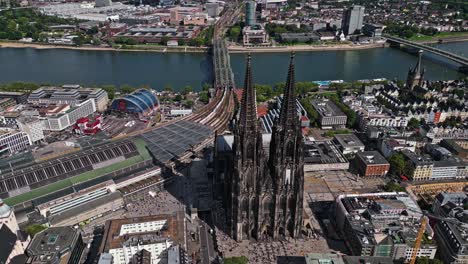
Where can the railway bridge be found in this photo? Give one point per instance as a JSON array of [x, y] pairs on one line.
[[461, 60]]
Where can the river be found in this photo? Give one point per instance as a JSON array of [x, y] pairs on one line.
[[158, 70]]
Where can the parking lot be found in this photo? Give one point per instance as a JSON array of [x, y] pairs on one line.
[[115, 126]]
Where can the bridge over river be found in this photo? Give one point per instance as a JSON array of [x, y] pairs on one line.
[[458, 59]]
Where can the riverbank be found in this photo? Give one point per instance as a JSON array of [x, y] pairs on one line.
[[141, 48], [163, 49], [337, 47]]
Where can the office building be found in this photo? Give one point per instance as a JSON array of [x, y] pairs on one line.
[[13, 141], [255, 35], [6, 103], [441, 199], [250, 7], [371, 164], [56, 245], [323, 156], [330, 116], [451, 232], [421, 166], [124, 238], [20, 98], [382, 225], [72, 95], [353, 20], [213, 9], [449, 169], [60, 117], [348, 143], [33, 127]]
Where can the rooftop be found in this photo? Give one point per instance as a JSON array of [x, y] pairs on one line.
[[322, 152], [348, 140], [418, 160], [372, 158], [119, 231], [52, 243], [326, 108]]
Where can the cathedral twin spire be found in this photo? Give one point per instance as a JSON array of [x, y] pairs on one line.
[[288, 114], [248, 111]]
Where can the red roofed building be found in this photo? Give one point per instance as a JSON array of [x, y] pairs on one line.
[[262, 110], [88, 126]]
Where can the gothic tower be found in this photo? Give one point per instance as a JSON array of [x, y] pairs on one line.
[[265, 195], [286, 164], [416, 75], [249, 166]]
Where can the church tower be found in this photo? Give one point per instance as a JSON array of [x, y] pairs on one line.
[[249, 166], [416, 75], [265, 194], [286, 164]]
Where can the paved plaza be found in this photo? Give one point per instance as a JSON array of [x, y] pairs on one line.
[[263, 252]]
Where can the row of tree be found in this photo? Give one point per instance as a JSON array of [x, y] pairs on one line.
[[19, 23], [408, 31]]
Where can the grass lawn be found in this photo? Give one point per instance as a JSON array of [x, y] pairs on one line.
[[56, 186], [438, 36]]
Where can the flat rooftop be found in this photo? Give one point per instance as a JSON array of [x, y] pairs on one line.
[[372, 158], [323, 152], [52, 243], [419, 160], [118, 231], [348, 140], [326, 108]]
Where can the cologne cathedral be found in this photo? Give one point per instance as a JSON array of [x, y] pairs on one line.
[[264, 178]]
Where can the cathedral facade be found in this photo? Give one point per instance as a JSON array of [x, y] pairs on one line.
[[264, 186]]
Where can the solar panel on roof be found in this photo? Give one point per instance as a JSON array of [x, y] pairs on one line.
[[40, 175], [117, 151], [109, 153], [77, 163], [10, 184], [20, 181], [2, 187], [68, 166], [124, 149], [101, 156], [59, 169], [31, 178], [49, 172], [85, 161]]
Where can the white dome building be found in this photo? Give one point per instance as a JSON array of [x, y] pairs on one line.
[[7, 217]]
